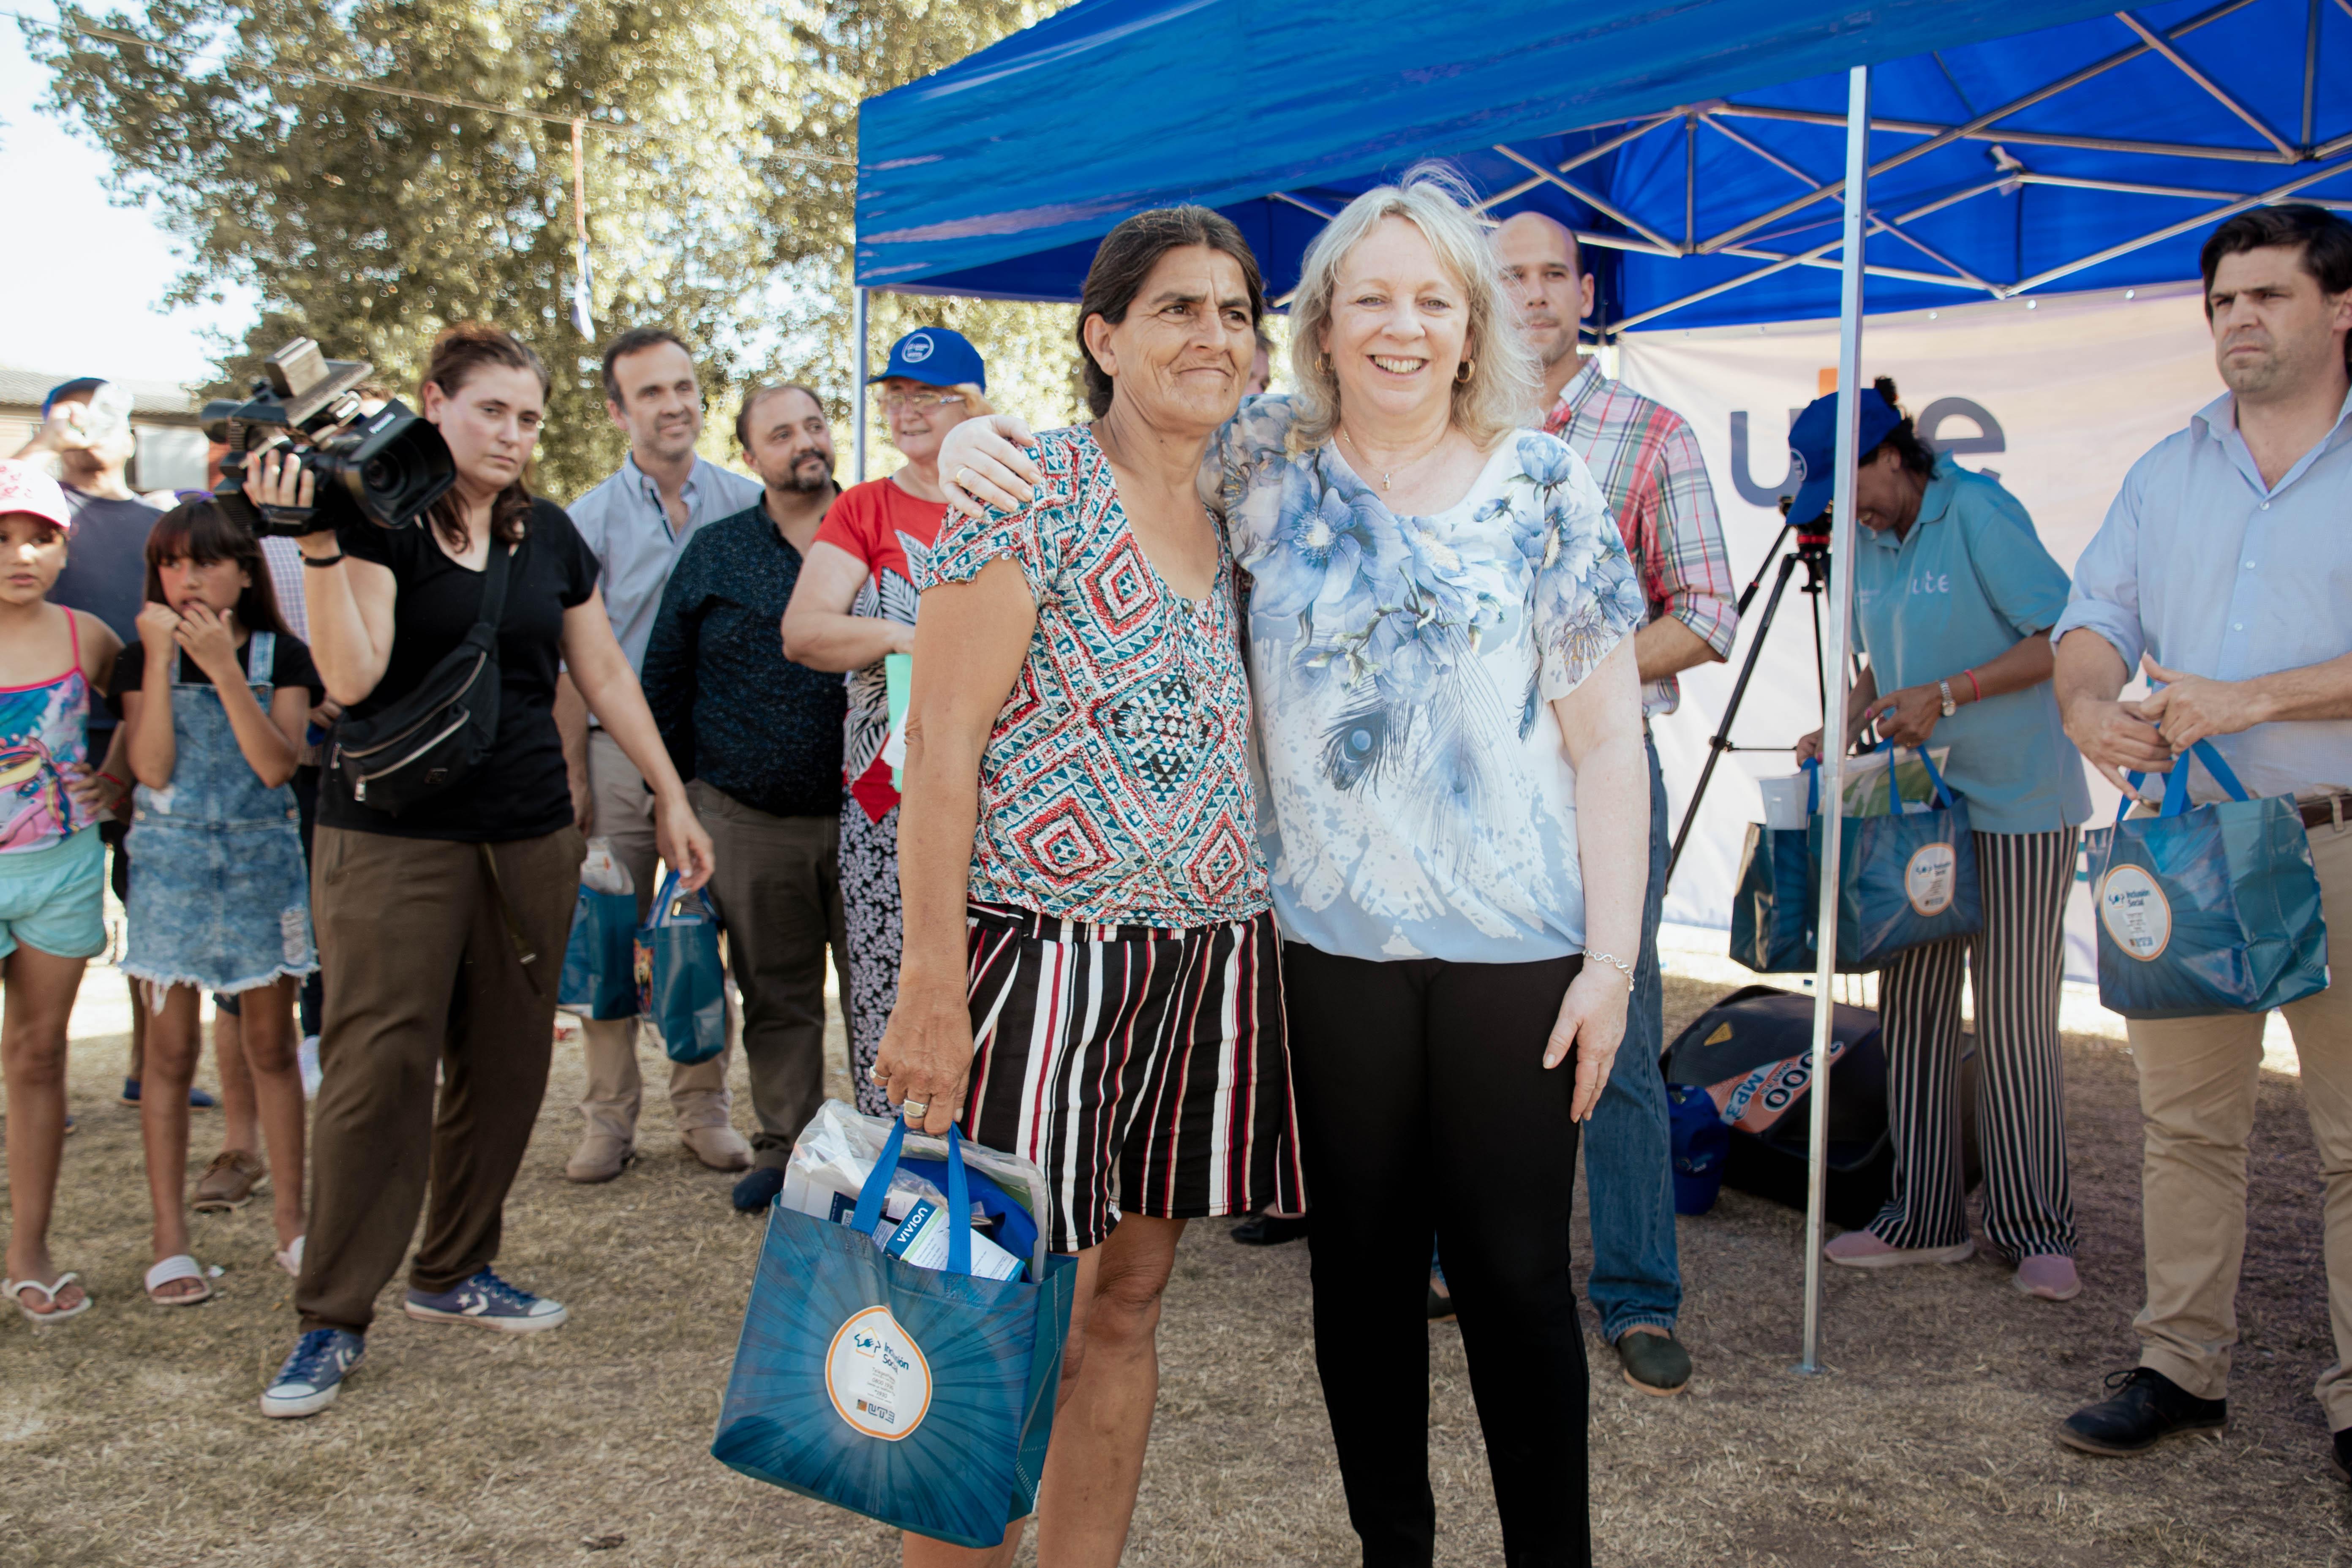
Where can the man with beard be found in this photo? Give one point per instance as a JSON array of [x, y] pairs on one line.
[[638, 524], [2220, 574], [758, 739], [1646, 461]]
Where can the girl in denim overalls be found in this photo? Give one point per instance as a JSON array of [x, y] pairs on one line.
[[219, 900]]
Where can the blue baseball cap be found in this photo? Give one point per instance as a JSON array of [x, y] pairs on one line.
[[1812, 447], [936, 357]]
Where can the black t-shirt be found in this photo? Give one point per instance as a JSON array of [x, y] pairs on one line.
[[290, 665], [519, 789], [106, 572]]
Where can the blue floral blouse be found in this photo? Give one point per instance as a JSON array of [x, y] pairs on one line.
[[1416, 798]]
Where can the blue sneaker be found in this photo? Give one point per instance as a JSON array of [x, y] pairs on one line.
[[489, 1301], [197, 1098], [311, 1376]]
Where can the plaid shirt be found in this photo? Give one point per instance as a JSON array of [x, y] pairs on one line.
[[1647, 463]]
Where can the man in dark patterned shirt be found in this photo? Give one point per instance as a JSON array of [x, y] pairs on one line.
[[758, 738]]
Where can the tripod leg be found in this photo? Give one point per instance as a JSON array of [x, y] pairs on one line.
[[1721, 741]]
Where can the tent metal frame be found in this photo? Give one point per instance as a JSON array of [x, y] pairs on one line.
[[1750, 238]]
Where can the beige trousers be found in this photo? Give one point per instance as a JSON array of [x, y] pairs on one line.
[[698, 1094], [2196, 1083]]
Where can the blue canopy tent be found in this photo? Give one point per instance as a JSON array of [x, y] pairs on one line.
[[1703, 152]]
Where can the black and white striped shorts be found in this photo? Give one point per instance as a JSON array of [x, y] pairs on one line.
[[1146, 1071]]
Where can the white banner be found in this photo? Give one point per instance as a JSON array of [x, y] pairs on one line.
[[2056, 396]]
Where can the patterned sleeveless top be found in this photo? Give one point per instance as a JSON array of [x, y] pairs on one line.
[[41, 732]]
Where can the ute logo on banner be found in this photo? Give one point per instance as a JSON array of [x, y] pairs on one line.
[[878, 1377], [2135, 913], [1927, 878]]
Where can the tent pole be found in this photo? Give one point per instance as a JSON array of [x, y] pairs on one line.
[[1834, 670], [857, 393]]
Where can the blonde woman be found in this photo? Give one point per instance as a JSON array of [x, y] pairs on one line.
[[1454, 814]]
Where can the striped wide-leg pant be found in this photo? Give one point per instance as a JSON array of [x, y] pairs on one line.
[[2015, 962]]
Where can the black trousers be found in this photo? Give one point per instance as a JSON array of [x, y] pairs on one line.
[[1424, 1111]]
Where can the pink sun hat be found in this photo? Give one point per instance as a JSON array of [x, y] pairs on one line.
[[23, 487]]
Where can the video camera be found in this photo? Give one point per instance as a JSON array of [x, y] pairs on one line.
[[384, 468]]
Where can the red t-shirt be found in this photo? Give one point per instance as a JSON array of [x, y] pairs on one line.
[[878, 523]]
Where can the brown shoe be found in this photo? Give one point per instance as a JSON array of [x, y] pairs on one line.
[[600, 1157], [722, 1147], [229, 1182]]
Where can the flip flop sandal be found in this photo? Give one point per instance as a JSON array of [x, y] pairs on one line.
[[55, 1314], [289, 1258], [178, 1267]]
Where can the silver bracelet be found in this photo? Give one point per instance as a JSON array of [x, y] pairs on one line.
[[1619, 965]]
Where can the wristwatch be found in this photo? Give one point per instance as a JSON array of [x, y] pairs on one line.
[[1944, 690]]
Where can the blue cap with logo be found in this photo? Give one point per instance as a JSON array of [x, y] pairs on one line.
[[936, 357], [1812, 447]]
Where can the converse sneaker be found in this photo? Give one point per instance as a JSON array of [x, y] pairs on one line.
[[489, 1301], [313, 1375]]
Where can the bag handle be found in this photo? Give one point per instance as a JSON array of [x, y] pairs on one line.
[[878, 1187], [494, 586], [2176, 782], [1813, 766]]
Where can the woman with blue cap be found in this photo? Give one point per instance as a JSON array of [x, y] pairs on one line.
[[1953, 595], [854, 605]]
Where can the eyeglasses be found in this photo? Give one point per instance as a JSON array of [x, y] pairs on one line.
[[921, 402]]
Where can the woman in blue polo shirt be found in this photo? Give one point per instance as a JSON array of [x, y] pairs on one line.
[[1953, 593]]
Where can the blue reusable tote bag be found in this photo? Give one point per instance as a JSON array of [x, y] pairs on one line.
[[1772, 913], [600, 958], [2210, 908], [678, 970], [919, 1397], [1905, 880]]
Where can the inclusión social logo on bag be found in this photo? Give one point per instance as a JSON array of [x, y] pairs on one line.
[[2135, 913], [878, 1377], [1927, 879]]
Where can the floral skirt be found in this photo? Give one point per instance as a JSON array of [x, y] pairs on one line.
[[869, 906], [222, 906]]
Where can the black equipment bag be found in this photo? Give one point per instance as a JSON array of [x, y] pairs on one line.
[[422, 744], [1749, 1051]]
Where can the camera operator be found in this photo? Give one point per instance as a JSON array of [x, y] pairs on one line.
[[442, 928]]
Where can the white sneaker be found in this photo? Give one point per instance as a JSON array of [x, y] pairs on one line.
[[306, 1056]]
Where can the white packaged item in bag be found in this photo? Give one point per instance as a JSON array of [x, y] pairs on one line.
[[602, 872], [921, 1240], [835, 1153]]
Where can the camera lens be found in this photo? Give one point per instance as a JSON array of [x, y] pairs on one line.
[[377, 474]]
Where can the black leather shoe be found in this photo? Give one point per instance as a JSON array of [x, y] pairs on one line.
[[1270, 1229], [2147, 1408], [1655, 1363], [2343, 1453], [756, 1192]]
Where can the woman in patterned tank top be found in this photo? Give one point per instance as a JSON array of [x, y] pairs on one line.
[[1091, 976]]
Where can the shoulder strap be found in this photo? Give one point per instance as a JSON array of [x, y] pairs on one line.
[[494, 583], [73, 630], [261, 659]]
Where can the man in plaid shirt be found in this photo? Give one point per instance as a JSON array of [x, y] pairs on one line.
[[1646, 461]]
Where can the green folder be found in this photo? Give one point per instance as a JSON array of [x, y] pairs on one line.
[[898, 673]]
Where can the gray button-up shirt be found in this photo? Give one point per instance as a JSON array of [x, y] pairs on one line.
[[627, 527], [2215, 574]]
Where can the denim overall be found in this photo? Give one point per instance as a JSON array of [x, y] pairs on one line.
[[219, 896]]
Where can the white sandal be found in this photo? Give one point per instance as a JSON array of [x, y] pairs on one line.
[[289, 1258], [179, 1266], [55, 1314]]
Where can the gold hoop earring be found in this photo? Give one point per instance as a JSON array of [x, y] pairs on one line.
[[1465, 371], [1326, 361]]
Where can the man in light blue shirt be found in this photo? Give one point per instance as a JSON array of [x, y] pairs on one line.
[[638, 523], [2224, 573]]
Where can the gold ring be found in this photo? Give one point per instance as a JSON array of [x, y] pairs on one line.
[[963, 476]]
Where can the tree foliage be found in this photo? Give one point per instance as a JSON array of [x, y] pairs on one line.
[[719, 157]]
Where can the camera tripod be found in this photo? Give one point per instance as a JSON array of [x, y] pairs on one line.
[[1811, 552]]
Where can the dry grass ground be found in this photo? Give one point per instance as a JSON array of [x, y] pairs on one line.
[[131, 1436]]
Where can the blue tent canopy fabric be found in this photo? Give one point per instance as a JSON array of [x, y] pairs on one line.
[[1697, 147]]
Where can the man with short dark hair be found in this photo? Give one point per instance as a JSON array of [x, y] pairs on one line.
[[1646, 461], [2222, 570], [638, 524], [758, 738]]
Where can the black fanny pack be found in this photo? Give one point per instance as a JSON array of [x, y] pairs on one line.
[[428, 740]]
